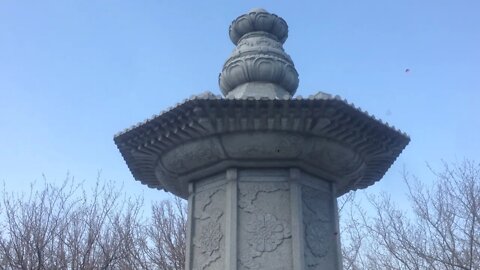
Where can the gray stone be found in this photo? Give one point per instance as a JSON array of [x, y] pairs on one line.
[[282, 219], [205, 135], [258, 66], [261, 170]]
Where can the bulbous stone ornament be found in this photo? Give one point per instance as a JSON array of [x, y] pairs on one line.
[[259, 66]]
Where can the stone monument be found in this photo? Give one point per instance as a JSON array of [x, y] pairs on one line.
[[261, 169]]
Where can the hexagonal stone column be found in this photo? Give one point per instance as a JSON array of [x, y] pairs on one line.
[[263, 219]]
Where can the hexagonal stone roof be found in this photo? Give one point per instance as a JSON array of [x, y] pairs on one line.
[[322, 134]]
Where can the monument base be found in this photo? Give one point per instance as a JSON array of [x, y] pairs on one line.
[[262, 219]]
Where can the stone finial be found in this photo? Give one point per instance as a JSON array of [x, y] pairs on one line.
[[258, 66]]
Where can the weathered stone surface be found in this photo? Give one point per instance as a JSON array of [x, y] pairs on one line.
[[319, 224], [208, 242], [258, 19], [264, 220], [323, 135], [261, 170], [283, 219], [259, 66]]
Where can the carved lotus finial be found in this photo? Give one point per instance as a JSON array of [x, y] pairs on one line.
[[258, 19], [259, 66]]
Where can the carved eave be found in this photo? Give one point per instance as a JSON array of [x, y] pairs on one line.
[[321, 117]]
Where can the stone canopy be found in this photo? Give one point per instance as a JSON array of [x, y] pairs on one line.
[[206, 134], [259, 124]]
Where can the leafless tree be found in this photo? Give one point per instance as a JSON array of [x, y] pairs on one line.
[[67, 227], [167, 231], [442, 230]]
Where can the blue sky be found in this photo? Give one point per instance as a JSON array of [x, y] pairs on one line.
[[74, 73]]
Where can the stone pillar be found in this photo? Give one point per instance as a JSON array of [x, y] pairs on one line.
[[261, 169], [263, 219]]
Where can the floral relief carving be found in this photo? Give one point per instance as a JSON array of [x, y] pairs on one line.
[[209, 243], [316, 221], [263, 230], [209, 240], [210, 235], [266, 232], [317, 237]]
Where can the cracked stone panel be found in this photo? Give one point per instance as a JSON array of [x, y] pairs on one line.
[[209, 230], [264, 225]]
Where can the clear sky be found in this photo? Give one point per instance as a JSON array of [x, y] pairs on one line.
[[74, 73]]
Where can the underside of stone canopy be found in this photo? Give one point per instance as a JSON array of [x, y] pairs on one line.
[[206, 134]]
